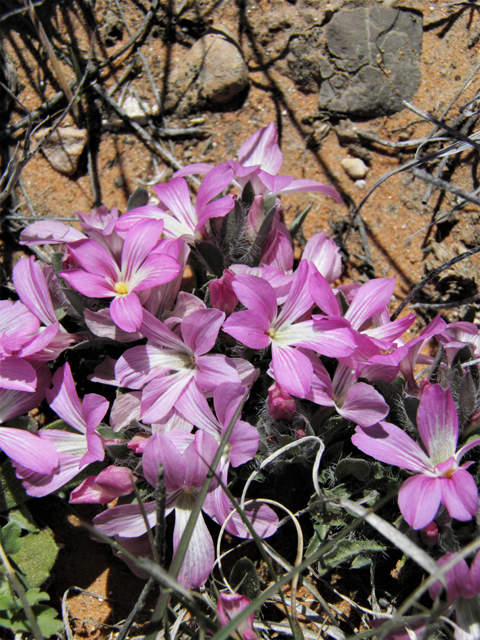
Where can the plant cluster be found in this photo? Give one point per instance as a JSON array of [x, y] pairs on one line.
[[263, 364]]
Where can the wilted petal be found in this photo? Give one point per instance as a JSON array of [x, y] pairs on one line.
[[110, 483], [49, 232]]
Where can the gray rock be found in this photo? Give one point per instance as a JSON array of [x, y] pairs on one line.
[[375, 56], [63, 148], [212, 73]]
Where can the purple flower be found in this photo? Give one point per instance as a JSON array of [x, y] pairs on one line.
[[263, 325], [438, 479], [75, 450], [181, 218], [169, 363], [99, 275]]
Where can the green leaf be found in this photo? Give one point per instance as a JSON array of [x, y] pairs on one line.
[[298, 221], [36, 557], [7, 599], [23, 518], [318, 538], [11, 538], [46, 619], [347, 550], [352, 466], [244, 578], [35, 596]]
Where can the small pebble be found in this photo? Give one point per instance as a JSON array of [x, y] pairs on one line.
[[355, 168], [361, 184]]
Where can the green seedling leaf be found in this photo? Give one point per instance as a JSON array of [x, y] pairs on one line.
[[36, 557], [318, 538], [360, 561], [139, 198], [60, 313], [244, 578], [109, 434], [347, 550], [11, 538], [212, 256], [356, 467]]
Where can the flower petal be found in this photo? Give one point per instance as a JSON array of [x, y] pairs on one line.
[[419, 498]]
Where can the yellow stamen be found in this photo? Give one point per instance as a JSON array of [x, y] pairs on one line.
[[121, 287]]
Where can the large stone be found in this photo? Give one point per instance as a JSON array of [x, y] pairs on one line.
[[63, 148], [374, 54], [212, 73]]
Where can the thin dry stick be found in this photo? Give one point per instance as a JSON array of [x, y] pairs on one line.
[[142, 133], [53, 59], [443, 162], [446, 186], [93, 71], [433, 274], [156, 94]]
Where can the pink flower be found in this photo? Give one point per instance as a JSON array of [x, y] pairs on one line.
[[75, 450], [142, 267], [263, 325], [439, 478]]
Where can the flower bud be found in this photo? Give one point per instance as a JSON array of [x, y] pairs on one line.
[[281, 405]]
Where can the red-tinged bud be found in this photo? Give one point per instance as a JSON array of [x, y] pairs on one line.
[[222, 295], [429, 534], [281, 405]]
